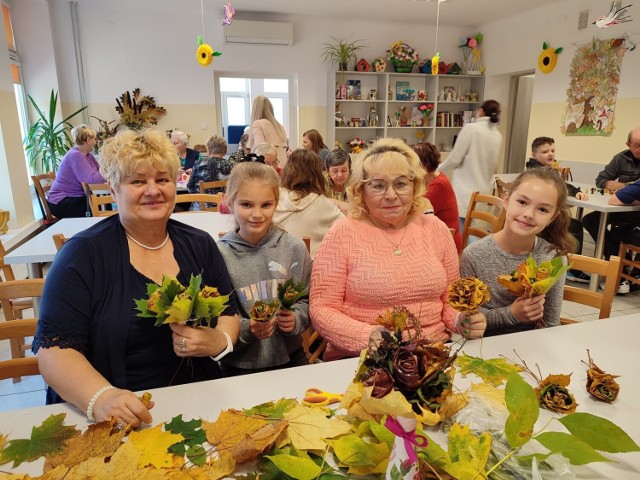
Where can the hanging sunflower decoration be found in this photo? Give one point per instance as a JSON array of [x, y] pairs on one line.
[[548, 58], [205, 53]]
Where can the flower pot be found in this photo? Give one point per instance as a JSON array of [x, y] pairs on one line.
[[403, 68], [425, 121]]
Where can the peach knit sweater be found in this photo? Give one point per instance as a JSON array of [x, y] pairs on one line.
[[356, 276]]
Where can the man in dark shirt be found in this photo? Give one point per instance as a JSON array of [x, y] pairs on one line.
[[623, 169]]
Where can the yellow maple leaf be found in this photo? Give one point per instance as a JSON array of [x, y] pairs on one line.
[[393, 403], [98, 440], [222, 467], [153, 444], [308, 427], [231, 427], [490, 394], [451, 405]]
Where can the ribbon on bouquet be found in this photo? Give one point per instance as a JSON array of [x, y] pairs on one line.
[[411, 439]]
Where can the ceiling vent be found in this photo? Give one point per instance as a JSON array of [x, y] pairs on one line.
[[583, 19], [246, 32]]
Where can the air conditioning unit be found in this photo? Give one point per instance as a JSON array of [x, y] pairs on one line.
[[246, 32]]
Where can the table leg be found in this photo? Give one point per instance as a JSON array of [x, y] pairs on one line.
[[35, 271], [579, 213], [599, 248]]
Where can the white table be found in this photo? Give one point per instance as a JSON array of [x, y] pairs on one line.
[[612, 342], [41, 248], [599, 203]]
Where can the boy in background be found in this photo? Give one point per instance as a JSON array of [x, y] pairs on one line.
[[543, 154]]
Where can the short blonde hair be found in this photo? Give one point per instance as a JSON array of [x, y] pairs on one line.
[[387, 155], [128, 151], [81, 133], [217, 145]]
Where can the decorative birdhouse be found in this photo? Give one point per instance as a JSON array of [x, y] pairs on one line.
[[379, 64], [363, 66], [454, 69]]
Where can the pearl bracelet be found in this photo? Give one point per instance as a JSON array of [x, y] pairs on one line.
[[94, 399]]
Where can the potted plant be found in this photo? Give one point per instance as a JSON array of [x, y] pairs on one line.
[[341, 52], [47, 141]]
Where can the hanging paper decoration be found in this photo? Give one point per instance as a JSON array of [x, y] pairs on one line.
[[548, 58], [205, 53], [229, 12], [615, 16]]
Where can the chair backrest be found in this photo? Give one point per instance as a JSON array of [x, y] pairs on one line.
[[633, 261], [203, 198], [307, 243], [313, 345], [97, 198], [59, 240], [601, 301], [215, 185], [42, 183], [16, 329], [6, 270], [502, 188], [495, 221]]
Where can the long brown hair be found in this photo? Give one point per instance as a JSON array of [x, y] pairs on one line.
[[317, 143], [303, 173], [557, 232]]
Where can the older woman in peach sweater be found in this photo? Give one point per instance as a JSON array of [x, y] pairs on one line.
[[385, 254]]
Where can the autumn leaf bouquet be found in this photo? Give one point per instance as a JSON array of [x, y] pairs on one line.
[[290, 292], [531, 279], [262, 311], [403, 376], [172, 302]]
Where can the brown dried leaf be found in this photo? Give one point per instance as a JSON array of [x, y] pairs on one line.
[[231, 427], [262, 440], [145, 398], [98, 440]]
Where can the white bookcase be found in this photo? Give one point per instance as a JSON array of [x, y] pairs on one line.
[[393, 94]]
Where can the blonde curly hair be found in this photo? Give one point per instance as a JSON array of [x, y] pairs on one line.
[[387, 155], [129, 151]]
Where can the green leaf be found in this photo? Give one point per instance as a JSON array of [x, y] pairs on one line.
[[544, 45], [599, 433], [194, 437], [352, 450], [522, 404], [382, 433], [47, 439], [196, 455], [296, 467], [468, 453], [493, 370], [272, 410], [571, 447], [433, 453]]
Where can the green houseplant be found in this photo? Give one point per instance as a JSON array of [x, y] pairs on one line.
[[47, 141], [341, 52]]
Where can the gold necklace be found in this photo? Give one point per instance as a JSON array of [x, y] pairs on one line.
[[397, 251]]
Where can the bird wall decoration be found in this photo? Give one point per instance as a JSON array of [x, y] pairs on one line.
[[615, 16]]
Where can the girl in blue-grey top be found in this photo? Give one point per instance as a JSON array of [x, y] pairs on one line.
[[536, 224], [260, 256]]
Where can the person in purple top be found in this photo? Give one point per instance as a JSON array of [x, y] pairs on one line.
[[66, 197]]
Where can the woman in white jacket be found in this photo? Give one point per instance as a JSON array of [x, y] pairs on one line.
[[303, 209], [474, 158]]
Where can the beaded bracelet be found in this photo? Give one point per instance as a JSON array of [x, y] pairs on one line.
[[94, 399]]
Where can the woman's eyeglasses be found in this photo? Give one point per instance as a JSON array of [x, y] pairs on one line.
[[401, 186], [252, 157]]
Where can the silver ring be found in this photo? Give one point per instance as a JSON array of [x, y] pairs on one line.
[[118, 426], [181, 344]]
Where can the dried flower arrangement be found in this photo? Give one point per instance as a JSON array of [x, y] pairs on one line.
[[137, 111]]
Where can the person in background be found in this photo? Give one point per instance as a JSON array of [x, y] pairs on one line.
[[474, 158], [243, 150], [336, 174], [385, 254], [266, 129], [312, 140], [211, 168], [260, 256], [269, 155], [439, 190], [543, 154], [623, 169], [536, 225], [67, 198], [187, 156], [93, 349], [200, 148], [303, 209]]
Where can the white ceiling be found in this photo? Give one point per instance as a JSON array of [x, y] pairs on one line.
[[452, 12]]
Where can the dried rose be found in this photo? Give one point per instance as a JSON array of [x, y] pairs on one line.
[[381, 381], [432, 357], [263, 311], [290, 292], [554, 395], [531, 279], [467, 294], [600, 384], [406, 367], [210, 292]]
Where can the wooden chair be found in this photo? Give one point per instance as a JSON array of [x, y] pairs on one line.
[[18, 305], [502, 188], [16, 368], [203, 199], [495, 221], [11, 290], [97, 199], [313, 344], [42, 183], [609, 268], [634, 262], [59, 240], [205, 187]]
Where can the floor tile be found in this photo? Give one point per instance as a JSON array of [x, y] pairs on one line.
[[22, 400]]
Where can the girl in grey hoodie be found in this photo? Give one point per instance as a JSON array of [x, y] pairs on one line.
[[259, 257]]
